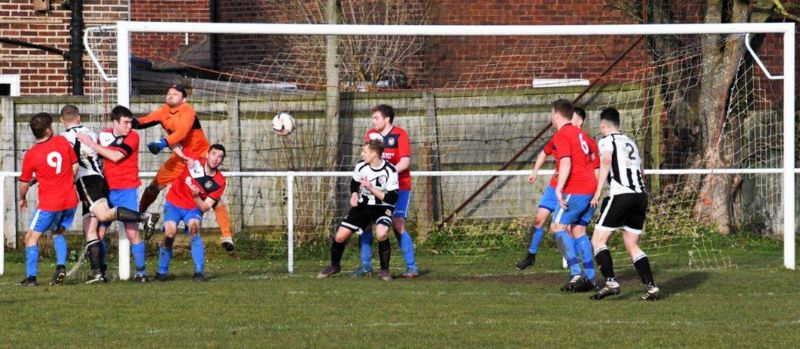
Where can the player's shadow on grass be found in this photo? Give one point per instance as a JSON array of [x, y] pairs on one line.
[[683, 283], [679, 284]]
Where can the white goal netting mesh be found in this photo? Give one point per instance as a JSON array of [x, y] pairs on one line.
[[471, 113]]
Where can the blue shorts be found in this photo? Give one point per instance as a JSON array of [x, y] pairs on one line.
[[43, 221], [127, 198], [176, 214], [403, 201], [548, 201], [579, 210]]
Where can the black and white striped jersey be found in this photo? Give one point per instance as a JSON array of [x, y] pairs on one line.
[[626, 174], [383, 177], [89, 163]]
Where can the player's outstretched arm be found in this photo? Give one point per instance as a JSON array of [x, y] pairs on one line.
[[150, 120]]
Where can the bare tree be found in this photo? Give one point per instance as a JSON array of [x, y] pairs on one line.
[[721, 61], [695, 118], [366, 60]]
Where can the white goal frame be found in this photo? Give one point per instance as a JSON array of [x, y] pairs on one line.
[[788, 170]]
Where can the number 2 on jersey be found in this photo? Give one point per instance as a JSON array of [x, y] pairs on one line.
[[54, 160], [631, 152]]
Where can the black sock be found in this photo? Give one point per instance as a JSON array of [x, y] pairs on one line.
[[385, 252], [642, 265], [168, 241], [128, 215], [337, 250], [603, 259], [93, 247]]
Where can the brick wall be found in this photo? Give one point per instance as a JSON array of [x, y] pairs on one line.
[[449, 57], [240, 50], [443, 60], [44, 73], [161, 48]]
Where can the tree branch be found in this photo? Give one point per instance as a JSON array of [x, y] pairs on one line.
[[782, 10]]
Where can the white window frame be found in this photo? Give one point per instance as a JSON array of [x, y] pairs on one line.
[[13, 80]]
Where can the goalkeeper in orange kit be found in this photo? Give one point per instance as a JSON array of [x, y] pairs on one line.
[[178, 118]]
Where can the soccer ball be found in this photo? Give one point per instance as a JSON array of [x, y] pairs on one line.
[[283, 124]]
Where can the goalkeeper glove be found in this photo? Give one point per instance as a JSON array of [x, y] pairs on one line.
[[135, 123], [156, 147]]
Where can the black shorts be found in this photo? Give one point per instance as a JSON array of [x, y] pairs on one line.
[[92, 189], [626, 211], [362, 216]]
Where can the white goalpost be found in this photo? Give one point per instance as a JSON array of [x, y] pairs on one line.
[[457, 185]]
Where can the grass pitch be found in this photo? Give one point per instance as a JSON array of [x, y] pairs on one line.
[[457, 302]]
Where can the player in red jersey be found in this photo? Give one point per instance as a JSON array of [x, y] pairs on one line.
[[548, 202], [577, 181], [119, 146], [194, 192], [54, 163], [397, 151], [179, 119]]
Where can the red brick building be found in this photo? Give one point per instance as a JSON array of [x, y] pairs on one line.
[[41, 73]]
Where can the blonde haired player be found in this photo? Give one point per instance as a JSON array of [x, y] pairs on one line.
[[373, 195]]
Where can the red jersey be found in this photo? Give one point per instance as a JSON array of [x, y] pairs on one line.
[[395, 147], [51, 161], [123, 174], [180, 194], [594, 149], [570, 141]]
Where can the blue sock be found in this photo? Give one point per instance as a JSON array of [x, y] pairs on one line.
[[103, 252], [365, 245], [567, 247], [407, 246], [198, 254], [60, 245], [584, 247], [31, 260], [164, 256], [137, 250], [535, 240]]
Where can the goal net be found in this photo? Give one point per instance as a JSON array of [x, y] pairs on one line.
[[708, 120]]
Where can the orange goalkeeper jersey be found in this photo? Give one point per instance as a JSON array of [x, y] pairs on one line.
[[182, 126]]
